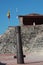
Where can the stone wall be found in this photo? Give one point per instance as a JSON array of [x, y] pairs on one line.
[[32, 39]]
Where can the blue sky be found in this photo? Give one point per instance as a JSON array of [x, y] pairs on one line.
[[23, 7]]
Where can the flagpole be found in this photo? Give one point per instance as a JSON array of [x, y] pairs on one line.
[[8, 15]]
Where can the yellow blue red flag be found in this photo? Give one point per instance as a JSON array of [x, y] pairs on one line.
[[8, 14]]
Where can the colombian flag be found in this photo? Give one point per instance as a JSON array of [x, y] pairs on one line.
[[8, 14]]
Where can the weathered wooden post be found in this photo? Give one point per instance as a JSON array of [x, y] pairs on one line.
[[20, 59]]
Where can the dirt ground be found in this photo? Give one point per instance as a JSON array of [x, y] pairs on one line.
[[30, 59]]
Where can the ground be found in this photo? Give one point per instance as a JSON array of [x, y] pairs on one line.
[[30, 59]]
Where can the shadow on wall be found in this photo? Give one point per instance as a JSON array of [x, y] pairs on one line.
[[2, 63]]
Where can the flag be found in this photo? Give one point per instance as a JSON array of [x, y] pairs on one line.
[[8, 14]]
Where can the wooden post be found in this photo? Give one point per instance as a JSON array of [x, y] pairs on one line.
[[20, 58]]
